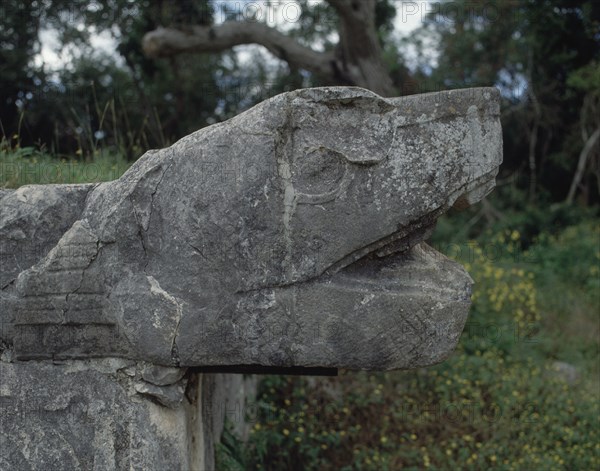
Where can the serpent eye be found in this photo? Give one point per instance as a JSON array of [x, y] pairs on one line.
[[319, 172]]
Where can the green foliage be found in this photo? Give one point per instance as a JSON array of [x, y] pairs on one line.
[[509, 209], [571, 256], [19, 28], [125, 104], [586, 78], [229, 452]]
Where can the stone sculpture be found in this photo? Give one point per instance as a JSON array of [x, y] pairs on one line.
[[292, 235]]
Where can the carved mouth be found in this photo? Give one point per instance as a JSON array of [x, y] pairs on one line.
[[399, 242], [396, 262], [409, 236]]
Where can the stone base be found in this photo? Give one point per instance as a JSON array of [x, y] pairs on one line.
[[108, 415]]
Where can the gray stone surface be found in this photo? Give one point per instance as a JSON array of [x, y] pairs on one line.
[[5, 192], [290, 235], [84, 415], [100, 415], [161, 375], [33, 218]]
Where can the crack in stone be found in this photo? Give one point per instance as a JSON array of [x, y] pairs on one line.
[[9, 283], [99, 246], [174, 349], [141, 229], [198, 251], [140, 235], [156, 190]]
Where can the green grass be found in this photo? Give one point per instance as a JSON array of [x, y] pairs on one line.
[[28, 165]]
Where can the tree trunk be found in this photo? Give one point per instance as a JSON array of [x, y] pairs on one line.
[[533, 135], [581, 164], [359, 48]]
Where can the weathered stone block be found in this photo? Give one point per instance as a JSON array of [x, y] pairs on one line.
[[290, 236]]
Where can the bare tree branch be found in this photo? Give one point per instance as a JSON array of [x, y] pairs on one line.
[[166, 42]]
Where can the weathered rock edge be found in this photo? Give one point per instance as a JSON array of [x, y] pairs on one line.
[[290, 235]]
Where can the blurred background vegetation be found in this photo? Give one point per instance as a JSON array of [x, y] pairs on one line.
[[81, 99]]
